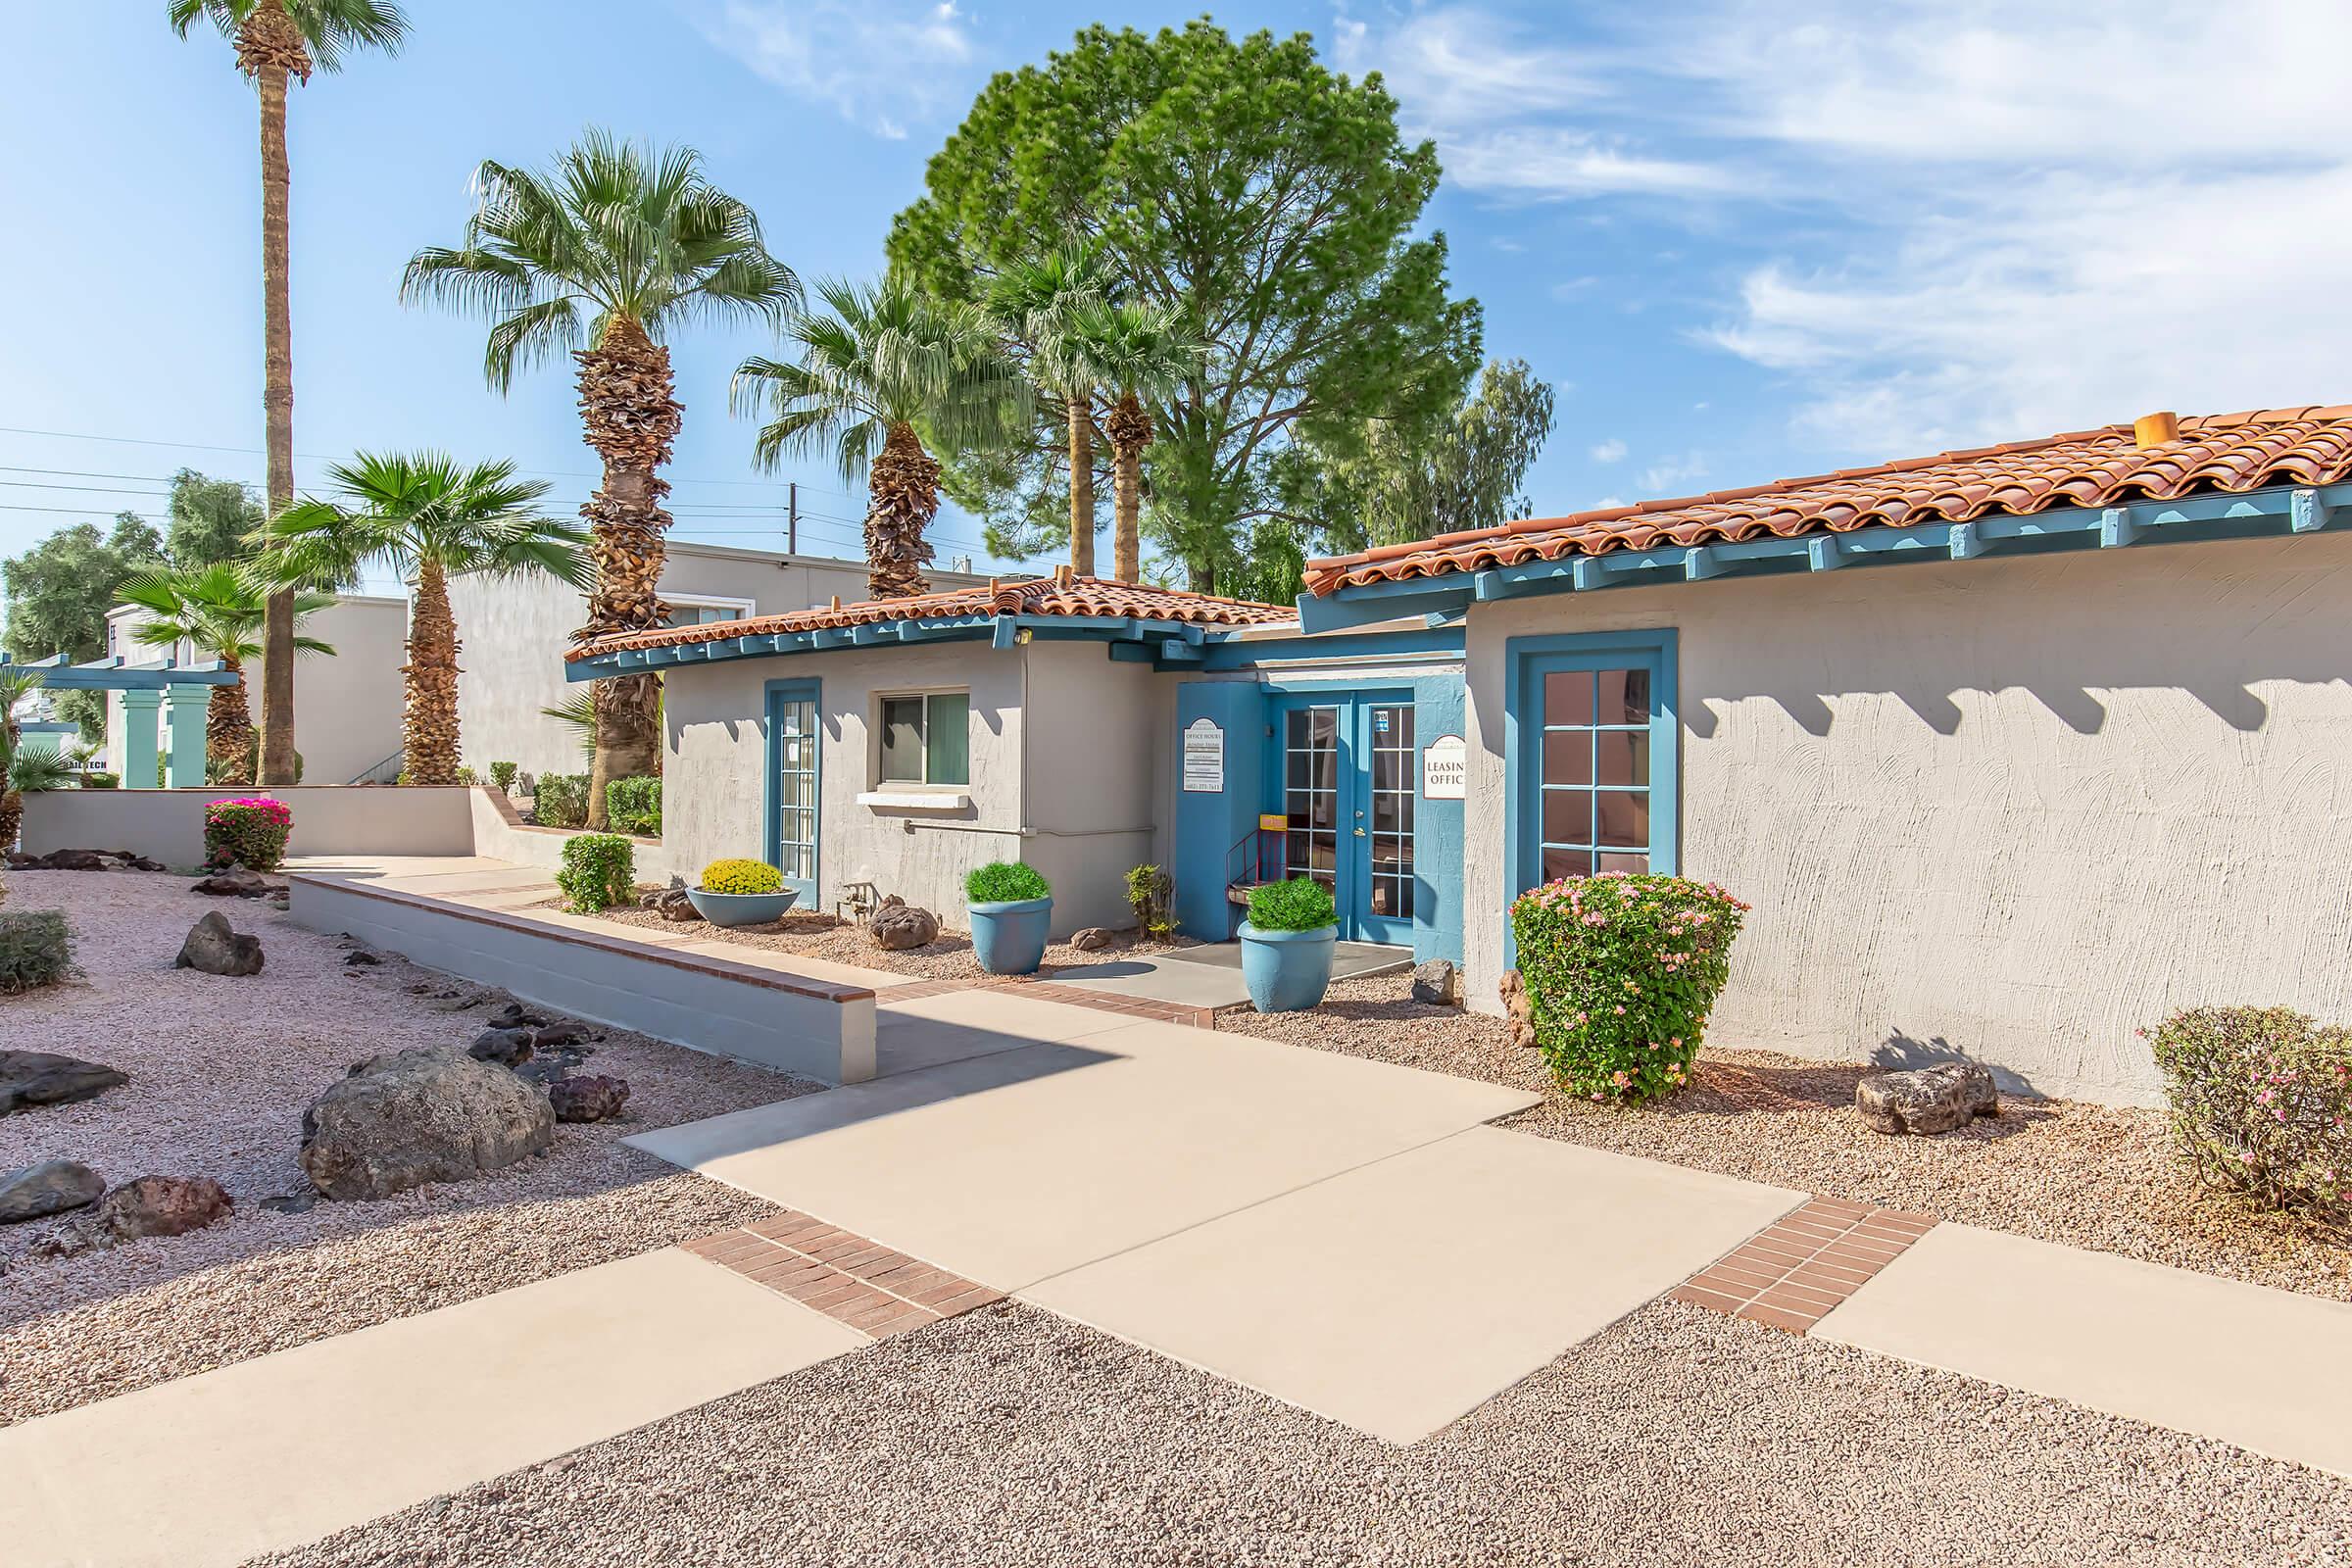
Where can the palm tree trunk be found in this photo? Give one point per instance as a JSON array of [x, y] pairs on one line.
[[429, 727], [631, 419], [1129, 428], [1082, 485], [905, 485], [228, 740], [269, 49]]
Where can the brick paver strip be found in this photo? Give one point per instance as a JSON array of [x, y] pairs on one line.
[[873, 1289], [1799, 1269]]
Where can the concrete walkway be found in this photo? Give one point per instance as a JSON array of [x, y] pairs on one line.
[[1210, 975]]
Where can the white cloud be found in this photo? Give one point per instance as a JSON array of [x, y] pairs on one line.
[[1665, 477], [880, 64], [1606, 503], [1610, 450]]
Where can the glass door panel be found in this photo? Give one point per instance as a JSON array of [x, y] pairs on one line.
[[793, 816]]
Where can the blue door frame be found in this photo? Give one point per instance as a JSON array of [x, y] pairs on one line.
[[1368, 903], [794, 830]]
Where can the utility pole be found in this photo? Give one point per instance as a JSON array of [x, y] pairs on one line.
[[791, 517]]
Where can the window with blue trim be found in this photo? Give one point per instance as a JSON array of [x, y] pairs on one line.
[[1593, 742]]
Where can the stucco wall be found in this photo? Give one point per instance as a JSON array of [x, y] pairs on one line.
[[2015, 807], [1094, 771], [167, 825]]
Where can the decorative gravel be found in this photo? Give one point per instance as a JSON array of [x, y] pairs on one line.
[[1010, 1437], [220, 1070], [2092, 1176]]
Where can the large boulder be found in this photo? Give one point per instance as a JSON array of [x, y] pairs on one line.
[[52, 1187], [236, 882], [40, 1078], [1433, 983], [897, 925], [159, 1206], [1518, 1010], [590, 1097], [508, 1047], [212, 948], [1097, 939], [1927, 1099], [434, 1114]]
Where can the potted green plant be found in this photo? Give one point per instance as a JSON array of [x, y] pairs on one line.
[[1287, 944], [1011, 909], [741, 893]]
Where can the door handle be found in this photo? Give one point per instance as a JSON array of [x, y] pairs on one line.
[[1360, 832]]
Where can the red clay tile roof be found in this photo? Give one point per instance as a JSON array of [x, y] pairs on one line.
[[1041, 596], [2223, 452]]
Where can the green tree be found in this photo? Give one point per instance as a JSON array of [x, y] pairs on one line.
[[881, 368], [212, 521], [220, 613], [1137, 355], [1265, 203], [278, 41], [1034, 300], [59, 593], [430, 519], [613, 247]]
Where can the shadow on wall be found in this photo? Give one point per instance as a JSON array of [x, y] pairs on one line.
[[2231, 702], [1900, 1052]]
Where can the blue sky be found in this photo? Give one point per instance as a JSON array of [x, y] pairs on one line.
[[1746, 241]]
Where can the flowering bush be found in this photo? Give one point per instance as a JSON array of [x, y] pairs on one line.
[[599, 870], [251, 833], [741, 877], [1620, 973], [2260, 1099]]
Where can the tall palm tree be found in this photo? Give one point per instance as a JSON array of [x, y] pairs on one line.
[[15, 686], [277, 40], [428, 518], [1035, 301], [1143, 354], [883, 367], [218, 610], [611, 248]]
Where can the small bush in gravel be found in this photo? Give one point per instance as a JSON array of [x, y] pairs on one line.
[[1302, 904], [36, 949], [247, 832], [1151, 892], [1620, 973], [741, 877], [634, 805], [1006, 882], [599, 870], [2261, 1098], [562, 801], [503, 774]]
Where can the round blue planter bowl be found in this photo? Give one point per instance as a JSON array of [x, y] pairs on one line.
[[1286, 972], [742, 908], [1010, 937]]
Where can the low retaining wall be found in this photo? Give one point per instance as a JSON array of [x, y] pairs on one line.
[[813, 1028], [501, 833], [167, 825]]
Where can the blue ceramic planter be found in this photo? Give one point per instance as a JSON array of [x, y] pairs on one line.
[[742, 908], [1286, 972], [1010, 937]]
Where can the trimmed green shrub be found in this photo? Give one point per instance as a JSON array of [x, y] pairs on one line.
[[561, 800], [466, 777], [1150, 893], [634, 805], [502, 774], [599, 870], [741, 877], [2261, 1101], [1006, 882], [250, 832], [1302, 904], [100, 781], [1620, 973], [36, 949]]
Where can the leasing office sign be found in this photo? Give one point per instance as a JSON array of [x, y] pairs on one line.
[[1445, 769]]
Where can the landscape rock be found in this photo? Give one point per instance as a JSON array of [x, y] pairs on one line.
[[508, 1047], [51, 1187], [514, 1016], [212, 948], [897, 925], [1927, 1099], [562, 1032], [594, 1098], [433, 1115], [83, 860], [1433, 983], [236, 882], [160, 1205], [40, 1078], [452, 1001], [1518, 1011], [1094, 939], [352, 959]]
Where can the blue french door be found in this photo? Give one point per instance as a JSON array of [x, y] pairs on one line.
[[794, 737], [1346, 782]]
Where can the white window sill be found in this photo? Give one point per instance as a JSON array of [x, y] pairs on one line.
[[916, 797]]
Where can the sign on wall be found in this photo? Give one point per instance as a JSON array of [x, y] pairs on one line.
[[1203, 758], [1445, 769]]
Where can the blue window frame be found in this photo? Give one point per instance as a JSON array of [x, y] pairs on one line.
[[795, 741]]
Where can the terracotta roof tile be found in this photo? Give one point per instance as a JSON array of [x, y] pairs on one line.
[[1040, 596], [2220, 452]]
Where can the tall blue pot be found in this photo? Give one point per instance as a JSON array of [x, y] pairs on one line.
[[1010, 937], [1286, 972]]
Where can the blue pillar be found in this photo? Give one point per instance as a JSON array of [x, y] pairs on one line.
[[138, 739], [186, 705]]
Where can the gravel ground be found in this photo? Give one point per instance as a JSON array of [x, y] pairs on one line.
[[819, 935], [220, 1070], [1010, 1437], [2091, 1176]]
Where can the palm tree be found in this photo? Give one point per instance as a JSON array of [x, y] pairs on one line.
[[884, 367], [430, 519], [1144, 354], [15, 686], [222, 614], [1034, 300], [278, 39], [612, 247]]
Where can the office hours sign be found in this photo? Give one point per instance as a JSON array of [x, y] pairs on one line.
[[1445, 769], [1203, 758]]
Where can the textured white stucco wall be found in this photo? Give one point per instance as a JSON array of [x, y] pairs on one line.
[[2015, 807]]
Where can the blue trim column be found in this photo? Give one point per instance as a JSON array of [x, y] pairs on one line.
[[1208, 823], [186, 707], [139, 710], [1440, 708]]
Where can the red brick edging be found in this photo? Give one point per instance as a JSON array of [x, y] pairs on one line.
[[1806, 1264], [870, 1288]]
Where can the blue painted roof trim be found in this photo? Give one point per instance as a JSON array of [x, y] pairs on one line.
[[116, 675], [2197, 518]]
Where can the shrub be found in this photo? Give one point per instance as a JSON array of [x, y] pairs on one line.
[[741, 877], [2260, 1099], [599, 870], [100, 781], [1302, 904], [1620, 973], [1150, 892], [562, 799], [634, 805], [502, 774], [1006, 882], [248, 832], [466, 777], [36, 949]]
